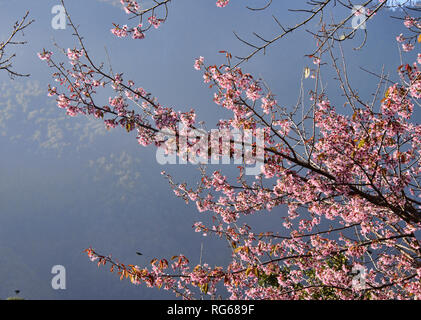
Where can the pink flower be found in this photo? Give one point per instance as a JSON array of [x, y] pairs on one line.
[[120, 32], [110, 124], [130, 6], [91, 254], [199, 63], [400, 38], [409, 22], [267, 104], [137, 33], [154, 21], [222, 3], [369, 12], [253, 92], [74, 54], [188, 118], [407, 47], [45, 55], [63, 102]]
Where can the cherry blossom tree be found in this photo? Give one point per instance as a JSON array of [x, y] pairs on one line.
[[348, 176]]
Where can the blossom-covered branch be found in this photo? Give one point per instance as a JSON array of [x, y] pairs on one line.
[[349, 176]]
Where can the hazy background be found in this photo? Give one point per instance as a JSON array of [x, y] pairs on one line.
[[67, 183]]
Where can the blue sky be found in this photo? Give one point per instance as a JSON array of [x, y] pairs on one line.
[[67, 183]]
